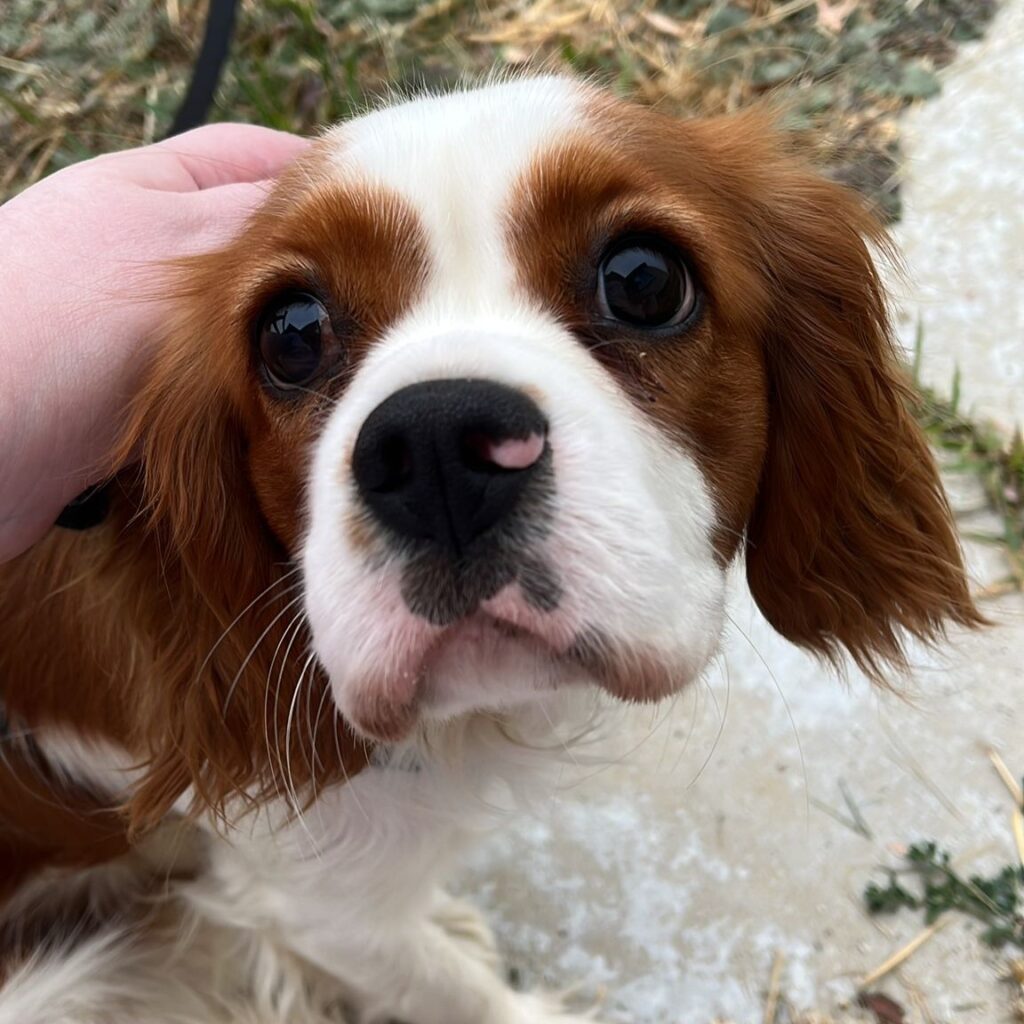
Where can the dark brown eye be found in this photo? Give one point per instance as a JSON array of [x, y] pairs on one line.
[[643, 282], [294, 335]]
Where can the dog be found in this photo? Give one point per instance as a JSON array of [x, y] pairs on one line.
[[464, 428]]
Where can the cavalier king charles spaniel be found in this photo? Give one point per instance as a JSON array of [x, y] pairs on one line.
[[465, 427]]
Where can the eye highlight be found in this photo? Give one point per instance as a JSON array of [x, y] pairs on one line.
[[294, 337], [644, 282]]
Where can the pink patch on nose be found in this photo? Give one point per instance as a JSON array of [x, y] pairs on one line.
[[514, 453]]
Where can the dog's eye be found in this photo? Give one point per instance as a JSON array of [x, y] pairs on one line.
[[643, 282], [294, 333]]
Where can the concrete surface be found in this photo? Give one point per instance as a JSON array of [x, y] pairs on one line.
[[963, 231], [669, 880]]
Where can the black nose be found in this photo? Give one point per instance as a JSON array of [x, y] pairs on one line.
[[446, 460]]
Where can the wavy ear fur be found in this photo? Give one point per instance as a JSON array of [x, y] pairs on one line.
[[851, 543], [232, 653]]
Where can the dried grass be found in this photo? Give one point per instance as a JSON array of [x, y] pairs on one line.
[[87, 76]]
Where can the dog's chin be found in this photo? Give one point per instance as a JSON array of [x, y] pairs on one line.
[[490, 665], [480, 664]]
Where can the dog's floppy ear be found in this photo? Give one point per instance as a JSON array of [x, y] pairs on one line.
[[851, 543], [184, 442], [221, 721]]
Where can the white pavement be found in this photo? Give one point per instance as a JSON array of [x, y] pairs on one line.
[[963, 231], [672, 878]]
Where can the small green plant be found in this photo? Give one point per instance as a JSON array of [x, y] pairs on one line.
[[997, 901], [995, 459]]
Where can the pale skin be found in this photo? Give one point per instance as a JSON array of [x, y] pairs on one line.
[[81, 305]]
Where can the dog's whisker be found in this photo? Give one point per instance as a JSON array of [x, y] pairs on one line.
[[255, 646], [694, 716], [785, 703], [314, 730], [564, 745], [271, 709], [339, 724], [315, 761], [723, 713], [295, 628], [662, 715], [288, 776], [265, 592]]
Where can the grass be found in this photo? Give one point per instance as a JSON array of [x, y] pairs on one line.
[[928, 881], [86, 76], [997, 902], [995, 460]]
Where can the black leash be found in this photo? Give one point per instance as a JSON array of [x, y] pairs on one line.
[[220, 25], [90, 507]]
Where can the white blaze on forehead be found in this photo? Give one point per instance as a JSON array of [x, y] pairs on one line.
[[455, 159]]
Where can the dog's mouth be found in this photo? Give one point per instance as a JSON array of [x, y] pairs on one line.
[[482, 640], [485, 630], [494, 656], [505, 653]]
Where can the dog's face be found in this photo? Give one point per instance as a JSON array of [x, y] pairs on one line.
[[514, 373], [507, 494]]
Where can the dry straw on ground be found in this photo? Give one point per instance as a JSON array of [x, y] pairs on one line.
[[85, 76]]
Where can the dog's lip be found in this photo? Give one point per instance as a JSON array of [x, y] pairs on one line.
[[388, 709], [482, 626], [484, 630], [390, 718]]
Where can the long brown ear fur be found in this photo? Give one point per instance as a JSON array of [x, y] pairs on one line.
[[851, 544], [227, 717]]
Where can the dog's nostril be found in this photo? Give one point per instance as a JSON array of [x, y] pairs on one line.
[[487, 454], [446, 460], [384, 466], [395, 464]]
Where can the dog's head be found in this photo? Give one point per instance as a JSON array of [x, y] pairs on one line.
[[512, 375]]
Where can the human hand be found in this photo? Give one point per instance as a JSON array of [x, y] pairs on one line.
[[77, 255]]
